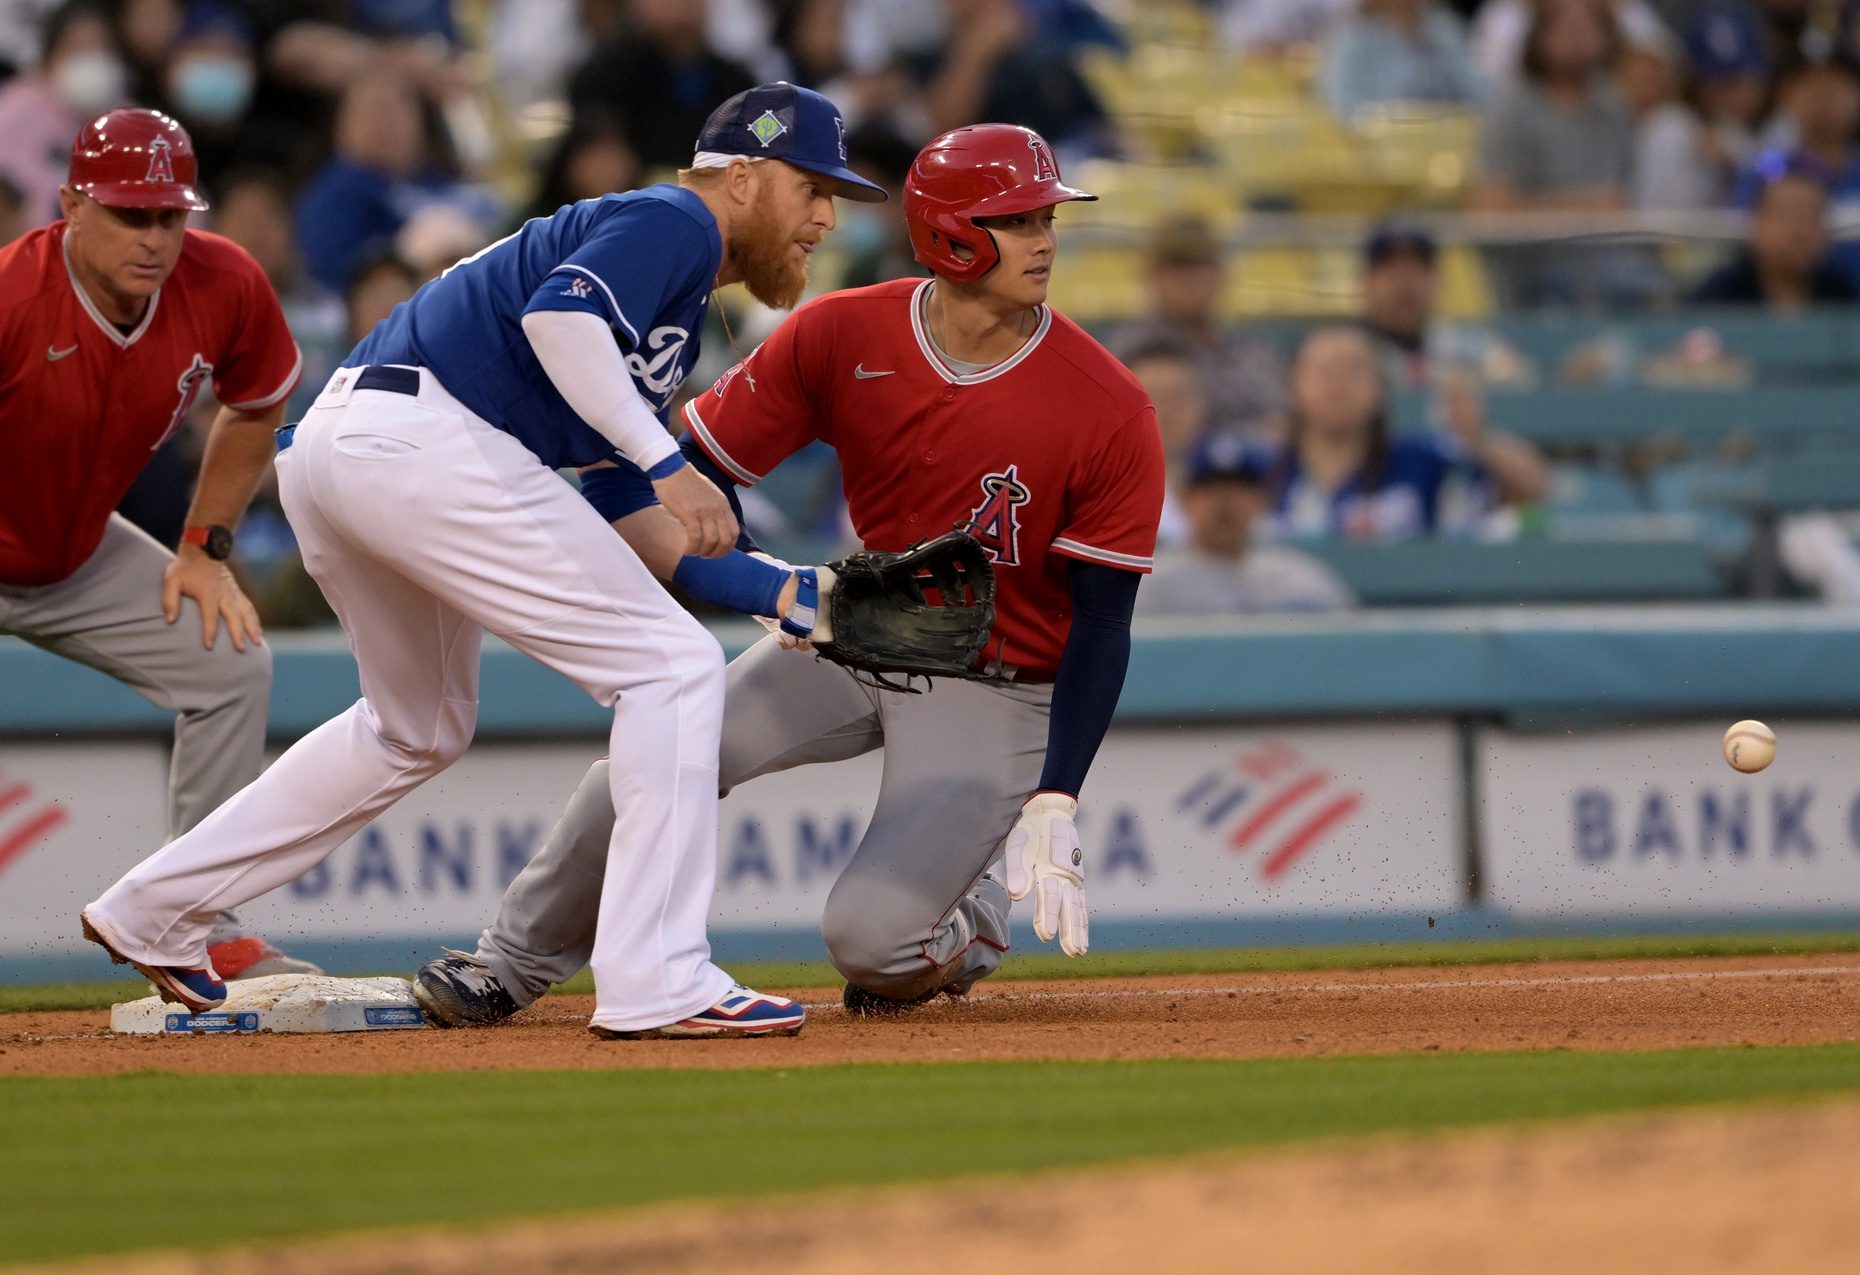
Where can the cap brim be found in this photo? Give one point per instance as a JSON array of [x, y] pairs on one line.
[[851, 185], [140, 195], [1027, 198]]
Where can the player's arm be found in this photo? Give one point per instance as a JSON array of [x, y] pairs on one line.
[[239, 448], [577, 351], [744, 580]]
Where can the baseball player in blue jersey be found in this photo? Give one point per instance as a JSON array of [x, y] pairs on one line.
[[421, 486]]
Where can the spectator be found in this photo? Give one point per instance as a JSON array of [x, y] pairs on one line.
[[378, 179], [534, 45], [1221, 571], [1400, 285], [1003, 62], [252, 208], [1688, 153], [1345, 475], [209, 81], [82, 75], [1244, 375], [659, 79], [1396, 51], [1819, 113], [1561, 137], [874, 240], [1168, 372], [1274, 28], [1500, 27], [378, 285], [592, 159], [1787, 264]]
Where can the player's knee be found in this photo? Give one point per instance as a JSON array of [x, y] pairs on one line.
[[866, 948], [431, 746], [226, 676]]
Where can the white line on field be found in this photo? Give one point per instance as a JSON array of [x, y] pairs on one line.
[[1674, 976]]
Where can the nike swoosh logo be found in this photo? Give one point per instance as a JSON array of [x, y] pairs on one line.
[[52, 356], [858, 371]]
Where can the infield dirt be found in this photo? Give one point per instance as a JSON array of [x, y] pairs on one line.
[[1650, 1004]]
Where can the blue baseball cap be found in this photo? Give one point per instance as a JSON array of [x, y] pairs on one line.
[[795, 125], [1226, 458], [1726, 40]]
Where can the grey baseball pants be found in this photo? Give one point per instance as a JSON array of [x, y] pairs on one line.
[[911, 911]]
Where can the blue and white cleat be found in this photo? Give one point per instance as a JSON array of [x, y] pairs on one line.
[[196, 990], [742, 1012]]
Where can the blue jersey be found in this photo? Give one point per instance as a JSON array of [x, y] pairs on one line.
[[644, 261], [1429, 485]]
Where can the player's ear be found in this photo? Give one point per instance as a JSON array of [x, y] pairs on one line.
[[69, 203], [742, 181]]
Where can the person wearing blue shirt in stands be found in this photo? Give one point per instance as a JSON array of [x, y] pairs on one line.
[[1344, 474]]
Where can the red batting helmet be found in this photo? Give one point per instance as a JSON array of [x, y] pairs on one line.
[[134, 158], [985, 170]]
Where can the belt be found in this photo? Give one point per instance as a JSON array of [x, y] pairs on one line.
[[395, 380]]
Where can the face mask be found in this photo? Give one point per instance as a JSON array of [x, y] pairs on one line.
[[213, 90], [90, 83]]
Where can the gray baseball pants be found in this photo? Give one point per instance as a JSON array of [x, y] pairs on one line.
[[108, 615], [910, 912]]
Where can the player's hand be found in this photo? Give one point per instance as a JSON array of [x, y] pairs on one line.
[[710, 527], [1044, 860], [210, 584]]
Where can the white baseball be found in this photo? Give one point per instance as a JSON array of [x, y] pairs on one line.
[[1749, 746]]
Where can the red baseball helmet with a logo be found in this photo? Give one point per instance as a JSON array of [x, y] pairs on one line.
[[136, 158], [984, 170]]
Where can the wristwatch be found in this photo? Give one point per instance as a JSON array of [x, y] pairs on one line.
[[216, 540]]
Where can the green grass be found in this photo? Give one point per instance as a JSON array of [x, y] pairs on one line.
[[94, 1165], [1051, 965]]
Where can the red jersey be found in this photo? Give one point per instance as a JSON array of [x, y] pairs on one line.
[[83, 404], [1051, 454]]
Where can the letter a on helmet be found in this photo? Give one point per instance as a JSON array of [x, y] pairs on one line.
[[984, 170]]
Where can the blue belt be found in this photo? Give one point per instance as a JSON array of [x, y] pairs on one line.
[[395, 380]]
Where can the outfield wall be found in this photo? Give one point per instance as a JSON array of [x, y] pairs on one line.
[[1390, 776]]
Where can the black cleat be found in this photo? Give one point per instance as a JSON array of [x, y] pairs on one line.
[[863, 1004], [459, 990]]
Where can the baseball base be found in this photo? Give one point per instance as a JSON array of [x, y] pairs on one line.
[[282, 1003]]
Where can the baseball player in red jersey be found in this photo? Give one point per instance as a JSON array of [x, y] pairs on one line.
[[963, 400], [112, 322]]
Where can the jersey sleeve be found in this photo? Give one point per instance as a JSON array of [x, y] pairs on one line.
[[1111, 519], [761, 411], [634, 265], [262, 363]]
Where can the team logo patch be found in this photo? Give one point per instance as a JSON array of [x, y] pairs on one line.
[[994, 522], [766, 128], [578, 288], [741, 369], [189, 385], [161, 161], [1044, 169]]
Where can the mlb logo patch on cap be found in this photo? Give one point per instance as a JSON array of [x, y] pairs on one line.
[[795, 125]]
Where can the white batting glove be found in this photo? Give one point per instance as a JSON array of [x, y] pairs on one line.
[[1044, 859]]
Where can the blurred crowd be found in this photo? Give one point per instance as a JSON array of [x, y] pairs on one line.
[[358, 147]]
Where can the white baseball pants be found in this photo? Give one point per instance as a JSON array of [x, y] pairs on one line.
[[425, 526]]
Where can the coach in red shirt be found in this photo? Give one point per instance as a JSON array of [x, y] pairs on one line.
[[112, 322]]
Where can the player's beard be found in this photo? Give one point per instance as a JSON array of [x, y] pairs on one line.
[[761, 252]]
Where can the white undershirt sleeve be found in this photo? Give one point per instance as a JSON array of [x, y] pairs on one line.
[[577, 350]]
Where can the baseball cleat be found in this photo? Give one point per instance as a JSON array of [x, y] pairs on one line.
[[249, 956], [742, 1012], [196, 990], [459, 990]]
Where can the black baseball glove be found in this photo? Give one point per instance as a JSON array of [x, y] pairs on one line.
[[927, 610]]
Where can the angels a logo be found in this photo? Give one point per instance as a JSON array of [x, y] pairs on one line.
[[189, 385], [741, 369], [161, 161], [1044, 169], [994, 522], [657, 367]]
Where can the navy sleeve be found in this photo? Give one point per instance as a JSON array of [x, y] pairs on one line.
[[637, 261], [1091, 672]]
